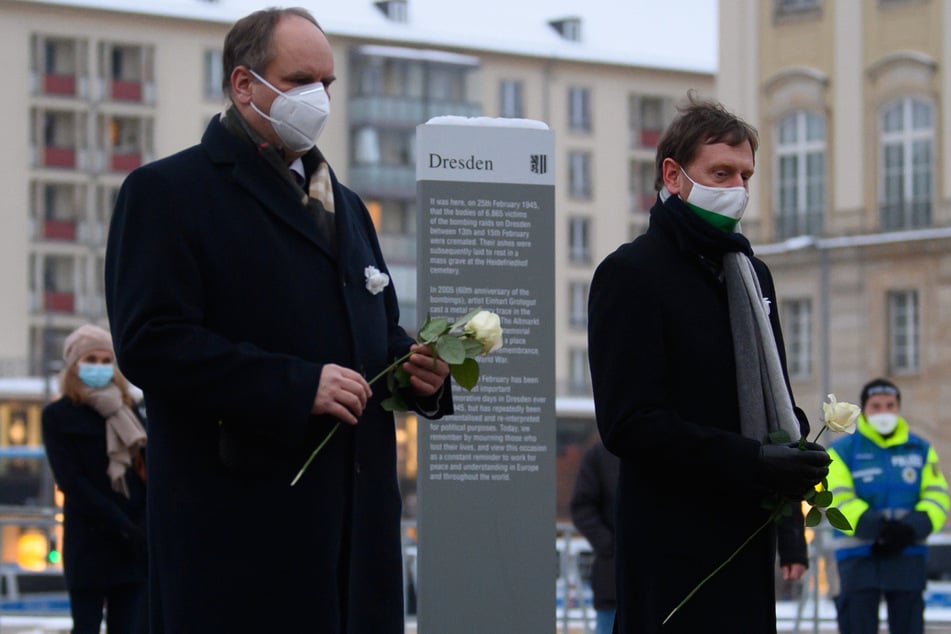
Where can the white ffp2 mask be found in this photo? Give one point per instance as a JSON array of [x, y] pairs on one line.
[[729, 202], [298, 116], [884, 423]]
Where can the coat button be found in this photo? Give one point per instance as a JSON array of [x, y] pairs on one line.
[[356, 468]]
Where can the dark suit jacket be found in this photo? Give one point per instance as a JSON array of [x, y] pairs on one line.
[[665, 392], [225, 304], [103, 531]]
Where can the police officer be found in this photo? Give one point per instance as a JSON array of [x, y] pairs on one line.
[[887, 482]]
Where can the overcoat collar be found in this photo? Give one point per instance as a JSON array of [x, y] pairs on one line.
[[280, 197]]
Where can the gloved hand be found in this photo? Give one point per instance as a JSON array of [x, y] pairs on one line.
[[893, 538], [790, 470]]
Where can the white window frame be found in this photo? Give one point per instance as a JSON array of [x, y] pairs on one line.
[[579, 374], [578, 308], [906, 140], [579, 239], [579, 109], [510, 98], [796, 316], [904, 328], [579, 174], [802, 218]]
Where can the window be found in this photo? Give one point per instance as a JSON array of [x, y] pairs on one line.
[[579, 251], [579, 378], [800, 174], [579, 174], [578, 296], [641, 186], [647, 118], [797, 327], [903, 329], [906, 171], [213, 74], [787, 7], [579, 109], [510, 98]]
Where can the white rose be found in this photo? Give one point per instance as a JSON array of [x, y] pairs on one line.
[[486, 328], [840, 417], [376, 281]]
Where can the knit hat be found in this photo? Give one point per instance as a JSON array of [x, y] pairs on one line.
[[879, 386], [84, 339]]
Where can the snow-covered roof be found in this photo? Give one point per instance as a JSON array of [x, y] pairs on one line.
[[668, 34]]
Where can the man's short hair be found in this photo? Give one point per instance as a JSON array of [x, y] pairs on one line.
[[878, 386], [700, 122], [249, 43]]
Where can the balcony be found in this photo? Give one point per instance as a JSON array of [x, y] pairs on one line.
[[649, 138], [406, 111], [384, 181], [123, 90], [59, 230], [58, 156], [125, 161], [59, 85], [59, 302]]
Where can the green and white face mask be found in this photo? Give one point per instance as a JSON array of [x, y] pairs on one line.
[[722, 207]]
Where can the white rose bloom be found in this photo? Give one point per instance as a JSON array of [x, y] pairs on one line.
[[486, 328], [376, 281], [840, 417]]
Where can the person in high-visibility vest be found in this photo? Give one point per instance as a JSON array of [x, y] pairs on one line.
[[887, 483]]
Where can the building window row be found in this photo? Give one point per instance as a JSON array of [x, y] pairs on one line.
[[903, 328], [105, 71], [905, 171]]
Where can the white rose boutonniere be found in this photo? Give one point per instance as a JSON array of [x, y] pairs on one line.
[[376, 281]]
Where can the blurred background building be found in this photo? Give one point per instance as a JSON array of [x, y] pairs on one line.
[[851, 202], [96, 88]]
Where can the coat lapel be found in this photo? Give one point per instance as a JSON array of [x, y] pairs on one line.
[[255, 175]]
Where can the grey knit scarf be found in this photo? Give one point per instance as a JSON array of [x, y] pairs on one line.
[[765, 404]]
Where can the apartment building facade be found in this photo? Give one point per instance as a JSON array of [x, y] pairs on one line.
[[97, 90], [852, 194]]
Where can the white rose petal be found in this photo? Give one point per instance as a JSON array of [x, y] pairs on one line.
[[376, 281], [840, 417], [486, 328]]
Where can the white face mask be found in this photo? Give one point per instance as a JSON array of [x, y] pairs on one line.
[[298, 116], [723, 201], [884, 423]]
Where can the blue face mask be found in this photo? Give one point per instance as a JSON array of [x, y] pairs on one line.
[[95, 375]]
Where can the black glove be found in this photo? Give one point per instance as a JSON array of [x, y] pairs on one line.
[[893, 538], [790, 470]]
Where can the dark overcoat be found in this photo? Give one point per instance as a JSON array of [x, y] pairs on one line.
[[225, 304], [665, 393], [103, 531], [593, 504]]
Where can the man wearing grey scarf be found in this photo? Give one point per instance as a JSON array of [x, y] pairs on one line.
[[690, 383]]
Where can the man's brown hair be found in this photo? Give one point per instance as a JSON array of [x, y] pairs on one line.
[[249, 43], [700, 122]]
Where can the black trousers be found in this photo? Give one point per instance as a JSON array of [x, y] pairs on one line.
[[124, 606], [857, 612]]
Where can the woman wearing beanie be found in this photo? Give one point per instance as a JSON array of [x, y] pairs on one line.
[[94, 443]]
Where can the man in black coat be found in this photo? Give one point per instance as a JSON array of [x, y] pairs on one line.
[[688, 369], [249, 300], [593, 504]]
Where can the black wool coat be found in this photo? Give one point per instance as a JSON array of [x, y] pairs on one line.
[[103, 531], [225, 303], [664, 378]]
